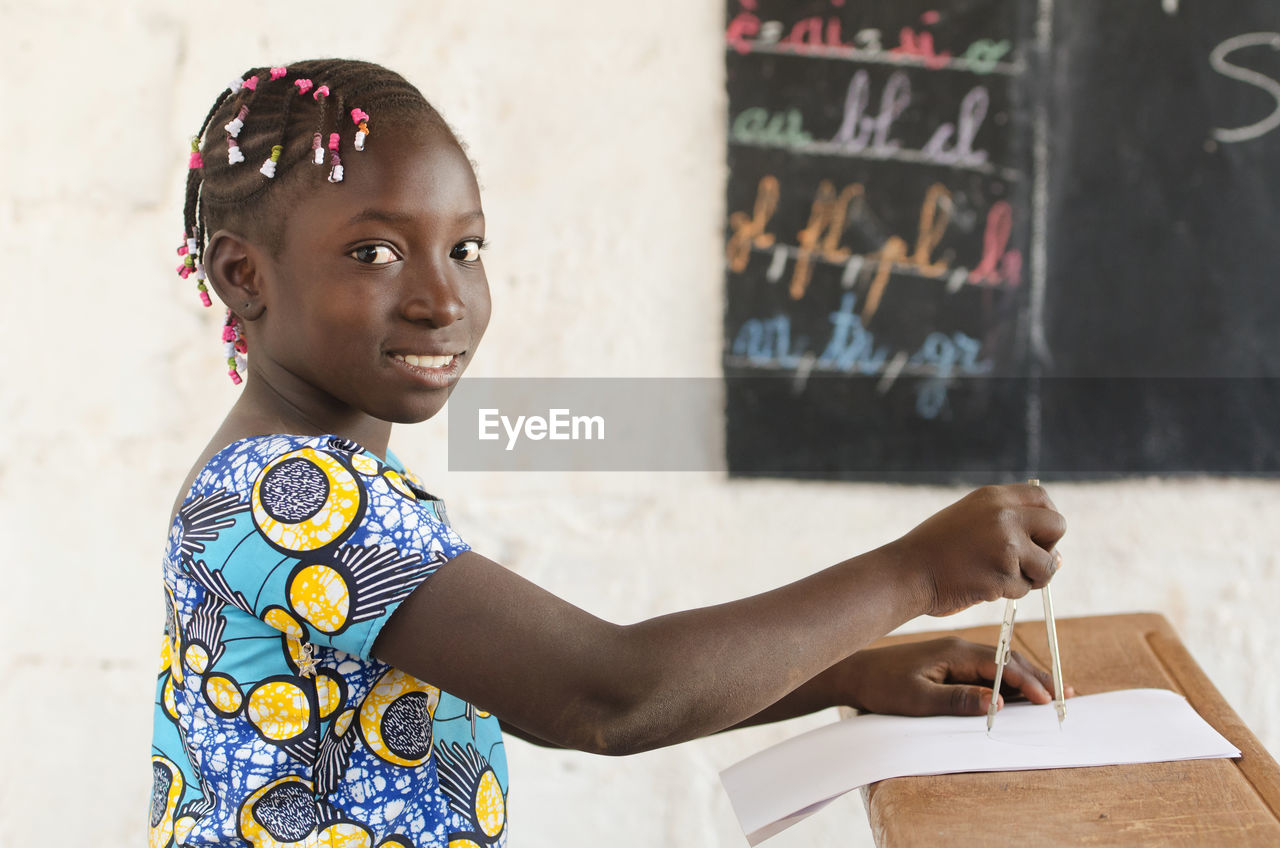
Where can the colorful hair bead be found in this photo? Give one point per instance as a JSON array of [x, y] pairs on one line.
[[201, 287], [322, 91], [236, 84], [234, 347], [268, 168], [304, 85], [251, 84], [359, 117], [234, 154], [237, 123], [278, 72], [335, 173], [195, 163]]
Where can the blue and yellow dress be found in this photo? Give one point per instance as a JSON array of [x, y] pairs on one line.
[[273, 724]]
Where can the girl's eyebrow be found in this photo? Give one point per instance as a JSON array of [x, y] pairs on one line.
[[383, 216], [380, 215]]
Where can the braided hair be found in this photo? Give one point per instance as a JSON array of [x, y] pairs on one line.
[[271, 126]]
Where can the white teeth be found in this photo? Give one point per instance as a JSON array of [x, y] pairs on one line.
[[424, 361]]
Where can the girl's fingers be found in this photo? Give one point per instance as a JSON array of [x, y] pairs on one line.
[[1030, 682]]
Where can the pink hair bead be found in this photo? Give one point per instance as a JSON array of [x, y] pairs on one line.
[[358, 115], [276, 73], [228, 333], [204, 298], [184, 271], [304, 85], [182, 250], [322, 91], [195, 163], [235, 377], [251, 83]]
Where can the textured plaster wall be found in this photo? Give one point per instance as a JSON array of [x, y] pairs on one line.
[[599, 130]]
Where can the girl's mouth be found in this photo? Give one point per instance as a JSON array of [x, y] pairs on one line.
[[426, 361], [436, 371]]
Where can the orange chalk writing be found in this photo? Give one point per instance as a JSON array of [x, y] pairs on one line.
[[822, 234], [749, 230]]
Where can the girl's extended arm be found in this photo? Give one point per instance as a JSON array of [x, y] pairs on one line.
[[564, 676]]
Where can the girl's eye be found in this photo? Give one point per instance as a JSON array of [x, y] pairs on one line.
[[467, 251], [374, 254]]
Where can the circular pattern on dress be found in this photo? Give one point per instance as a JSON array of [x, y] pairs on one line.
[[366, 465], [196, 657], [280, 814], [306, 500], [281, 619], [278, 709], [344, 835], [397, 482], [223, 694], [320, 595], [330, 694], [395, 718], [166, 790], [168, 700], [490, 805]]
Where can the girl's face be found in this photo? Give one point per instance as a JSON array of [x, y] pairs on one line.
[[377, 299]]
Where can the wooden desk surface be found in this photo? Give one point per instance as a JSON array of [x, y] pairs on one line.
[[1191, 803]]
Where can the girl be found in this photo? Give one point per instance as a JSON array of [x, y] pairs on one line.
[[314, 587]]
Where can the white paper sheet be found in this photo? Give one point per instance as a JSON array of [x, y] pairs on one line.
[[781, 785]]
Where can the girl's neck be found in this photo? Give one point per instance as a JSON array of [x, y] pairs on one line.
[[262, 411]]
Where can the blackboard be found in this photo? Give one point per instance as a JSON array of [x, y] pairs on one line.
[[973, 242]]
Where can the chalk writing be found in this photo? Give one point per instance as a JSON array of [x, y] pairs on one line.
[[749, 230], [908, 276], [999, 264], [860, 131], [1218, 61], [780, 129], [851, 348], [920, 45], [822, 233], [818, 36], [820, 241]]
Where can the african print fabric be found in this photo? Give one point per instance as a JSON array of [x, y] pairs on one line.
[[273, 725]]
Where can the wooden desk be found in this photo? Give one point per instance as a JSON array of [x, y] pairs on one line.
[[1192, 803]]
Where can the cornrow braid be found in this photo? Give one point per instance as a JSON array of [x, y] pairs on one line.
[[261, 119]]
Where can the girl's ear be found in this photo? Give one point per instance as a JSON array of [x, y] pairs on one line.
[[233, 266]]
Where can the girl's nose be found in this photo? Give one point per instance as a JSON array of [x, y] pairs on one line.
[[434, 300]]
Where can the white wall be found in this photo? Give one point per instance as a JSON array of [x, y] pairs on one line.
[[599, 129]]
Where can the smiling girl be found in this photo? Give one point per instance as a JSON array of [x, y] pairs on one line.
[[338, 666]]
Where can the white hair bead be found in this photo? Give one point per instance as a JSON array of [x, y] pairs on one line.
[[335, 176], [319, 151], [234, 155], [235, 126], [268, 168], [360, 137]]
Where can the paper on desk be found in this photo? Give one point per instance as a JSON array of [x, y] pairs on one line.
[[781, 785]]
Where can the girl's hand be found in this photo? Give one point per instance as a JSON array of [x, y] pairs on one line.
[[996, 542], [939, 677]]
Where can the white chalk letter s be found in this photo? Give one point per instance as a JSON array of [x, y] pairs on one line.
[[1218, 60]]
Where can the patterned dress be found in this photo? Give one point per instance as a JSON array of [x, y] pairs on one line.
[[273, 724]]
